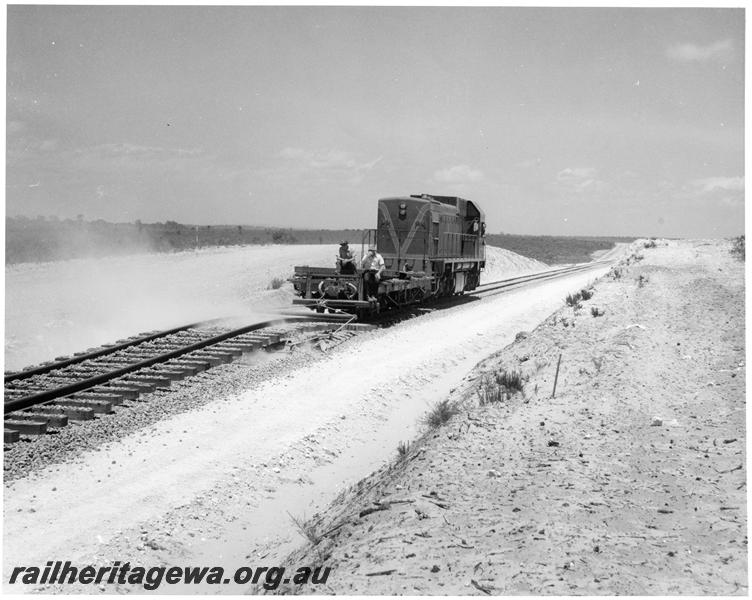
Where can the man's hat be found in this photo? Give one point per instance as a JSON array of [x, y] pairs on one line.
[[344, 243]]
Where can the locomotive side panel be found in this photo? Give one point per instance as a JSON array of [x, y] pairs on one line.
[[448, 244]]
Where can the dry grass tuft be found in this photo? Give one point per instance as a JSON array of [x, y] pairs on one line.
[[403, 448], [502, 386], [511, 381], [573, 299], [305, 529], [440, 414], [489, 393]]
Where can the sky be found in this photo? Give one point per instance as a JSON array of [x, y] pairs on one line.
[[561, 121]]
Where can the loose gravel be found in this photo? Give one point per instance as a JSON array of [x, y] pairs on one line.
[[33, 453]]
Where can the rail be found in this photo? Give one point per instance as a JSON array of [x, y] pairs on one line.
[[61, 391], [540, 275]]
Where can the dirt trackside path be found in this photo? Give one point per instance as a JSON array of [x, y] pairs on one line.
[[630, 481]]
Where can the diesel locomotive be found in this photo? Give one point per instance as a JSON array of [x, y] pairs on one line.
[[432, 246]]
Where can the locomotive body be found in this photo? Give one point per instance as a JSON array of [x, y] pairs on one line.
[[439, 235], [432, 246]]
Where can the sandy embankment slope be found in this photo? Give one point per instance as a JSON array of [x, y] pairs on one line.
[[585, 493]]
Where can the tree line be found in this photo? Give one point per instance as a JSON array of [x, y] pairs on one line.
[[44, 239]]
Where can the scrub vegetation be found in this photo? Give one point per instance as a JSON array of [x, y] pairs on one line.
[[555, 249], [49, 238], [737, 247]]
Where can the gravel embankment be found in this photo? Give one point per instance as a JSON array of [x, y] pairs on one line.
[[64, 445], [632, 480]]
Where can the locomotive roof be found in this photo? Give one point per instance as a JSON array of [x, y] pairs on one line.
[[464, 206]]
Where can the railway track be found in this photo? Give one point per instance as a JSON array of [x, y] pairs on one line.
[[47, 397], [494, 287], [487, 289], [78, 388]]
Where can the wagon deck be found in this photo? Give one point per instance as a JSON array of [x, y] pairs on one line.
[[325, 287]]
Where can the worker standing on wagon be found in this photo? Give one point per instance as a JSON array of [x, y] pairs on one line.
[[345, 259], [373, 267]]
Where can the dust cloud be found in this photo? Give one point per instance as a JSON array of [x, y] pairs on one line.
[[55, 309]]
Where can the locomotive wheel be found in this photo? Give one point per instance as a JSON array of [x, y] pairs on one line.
[[447, 285]]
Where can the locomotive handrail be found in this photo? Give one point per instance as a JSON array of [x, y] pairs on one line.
[[366, 242]]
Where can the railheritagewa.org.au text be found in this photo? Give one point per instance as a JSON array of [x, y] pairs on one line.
[[150, 578]]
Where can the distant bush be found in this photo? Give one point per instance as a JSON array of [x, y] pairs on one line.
[[737, 247], [586, 294], [615, 273], [642, 280], [597, 312], [276, 283], [283, 236], [554, 249]]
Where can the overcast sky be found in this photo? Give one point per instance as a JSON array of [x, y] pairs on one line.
[[555, 120]]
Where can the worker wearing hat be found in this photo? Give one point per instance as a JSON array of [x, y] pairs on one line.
[[373, 267], [345, 259]]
